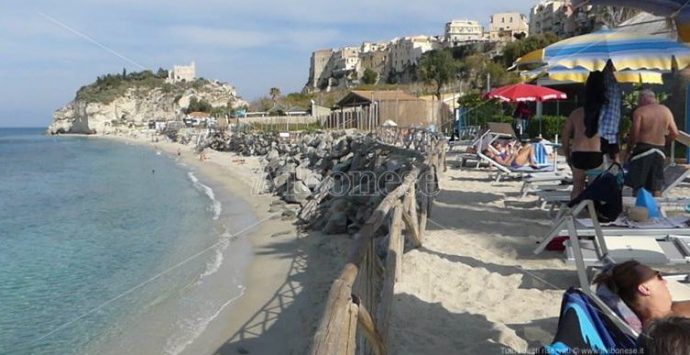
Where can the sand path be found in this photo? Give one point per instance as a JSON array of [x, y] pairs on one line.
[[476, 286]]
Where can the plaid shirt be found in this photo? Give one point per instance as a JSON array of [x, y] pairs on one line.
[[609, 119]]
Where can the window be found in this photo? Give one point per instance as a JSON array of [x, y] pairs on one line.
[[503, 20]]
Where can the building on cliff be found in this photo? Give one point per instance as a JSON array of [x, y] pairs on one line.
[[504, 26], [182, 73], [459, 32]]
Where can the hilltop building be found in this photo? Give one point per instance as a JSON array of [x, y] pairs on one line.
[[182, 73], [406, 51], [561, 18], [504, 26], [459, 32], [372, 56], [319, 62]]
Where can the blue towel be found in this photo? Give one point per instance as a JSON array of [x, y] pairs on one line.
[[541, 155]]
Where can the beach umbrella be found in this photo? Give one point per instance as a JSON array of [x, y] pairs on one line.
[[525, 92], [627, 51], [579, 75], [678, 10]]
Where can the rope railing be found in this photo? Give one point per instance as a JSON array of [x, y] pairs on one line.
[[359, 305]]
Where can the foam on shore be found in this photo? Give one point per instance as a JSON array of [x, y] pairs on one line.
[[216, 207]]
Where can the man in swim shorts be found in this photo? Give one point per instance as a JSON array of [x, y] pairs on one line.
[[653, 126]]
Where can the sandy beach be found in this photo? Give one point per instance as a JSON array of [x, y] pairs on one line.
[[476, 285], [289, 276]]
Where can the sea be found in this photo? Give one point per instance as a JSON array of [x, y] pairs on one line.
[[111, 248]]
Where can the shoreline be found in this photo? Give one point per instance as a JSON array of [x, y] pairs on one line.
[[266, 272]]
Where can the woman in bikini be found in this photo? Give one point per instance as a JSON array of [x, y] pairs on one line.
[[509, 156], [582, 124]]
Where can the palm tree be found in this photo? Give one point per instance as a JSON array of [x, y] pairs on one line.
[[274, 93]]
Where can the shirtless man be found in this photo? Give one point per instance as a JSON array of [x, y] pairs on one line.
[[653, 126], [585, 153]]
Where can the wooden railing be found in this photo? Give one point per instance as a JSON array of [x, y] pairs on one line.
[[361, 297]]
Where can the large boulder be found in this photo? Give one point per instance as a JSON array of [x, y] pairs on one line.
[[296, 192]]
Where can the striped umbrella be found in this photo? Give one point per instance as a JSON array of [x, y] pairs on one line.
[[627, 51], [579, 75]]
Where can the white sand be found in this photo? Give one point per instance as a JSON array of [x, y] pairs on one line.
[[475, 286]]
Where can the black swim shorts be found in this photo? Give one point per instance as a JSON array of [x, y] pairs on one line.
[[647, 171], [586, 160]]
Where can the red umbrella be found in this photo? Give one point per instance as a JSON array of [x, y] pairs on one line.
[[525, 92]]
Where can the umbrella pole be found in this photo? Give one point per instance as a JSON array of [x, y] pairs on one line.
[[540, 110]]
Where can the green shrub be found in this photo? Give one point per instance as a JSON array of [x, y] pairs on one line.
[[550, 126]]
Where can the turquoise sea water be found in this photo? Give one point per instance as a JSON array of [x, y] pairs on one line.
[[110, 248]]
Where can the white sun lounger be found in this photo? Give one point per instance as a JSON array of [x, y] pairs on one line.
[[673, 175], [645, 245]]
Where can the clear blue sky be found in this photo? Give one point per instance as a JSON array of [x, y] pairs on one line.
[[48, 49]]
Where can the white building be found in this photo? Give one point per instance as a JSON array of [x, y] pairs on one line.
[[462, 31], [561, 18], [182, 73], [503, 26], [406, 51], [548, 16], [346, 60], [373, 46]]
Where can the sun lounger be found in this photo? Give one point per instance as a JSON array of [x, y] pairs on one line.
[[673, 175]]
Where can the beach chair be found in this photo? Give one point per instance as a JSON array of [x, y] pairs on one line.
[[546, 184], [674, 174], [651, 247], [545, 169], [586, 325]]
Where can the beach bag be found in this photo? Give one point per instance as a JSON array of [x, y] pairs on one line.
[[606, 194]]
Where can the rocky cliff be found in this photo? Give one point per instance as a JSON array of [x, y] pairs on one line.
[[103, 107]]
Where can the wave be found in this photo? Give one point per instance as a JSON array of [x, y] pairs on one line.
[[177, 344], [213, 266], [216, 207]]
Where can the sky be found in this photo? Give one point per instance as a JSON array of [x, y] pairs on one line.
[[49, 49]]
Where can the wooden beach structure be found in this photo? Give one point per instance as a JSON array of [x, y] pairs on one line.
[[368, 110], [358, 310]]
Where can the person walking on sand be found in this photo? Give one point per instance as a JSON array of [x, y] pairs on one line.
[[582, 125], [653, 126]]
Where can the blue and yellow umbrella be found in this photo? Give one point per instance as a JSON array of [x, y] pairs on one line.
[[627, 51], [579, 75]]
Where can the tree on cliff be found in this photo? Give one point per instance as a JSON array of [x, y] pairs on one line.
[[439, 68], [520, 47], [196, 105], [369, 77]]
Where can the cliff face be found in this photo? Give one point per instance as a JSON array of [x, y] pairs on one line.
[[136, 107]]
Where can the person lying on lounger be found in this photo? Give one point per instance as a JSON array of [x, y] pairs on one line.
[[643, 290], [508, 155]]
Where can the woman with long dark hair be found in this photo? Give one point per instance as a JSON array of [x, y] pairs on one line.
[[583, 126]]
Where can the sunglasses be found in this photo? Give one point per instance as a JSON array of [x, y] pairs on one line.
[[659, 276]]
